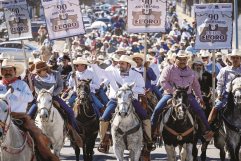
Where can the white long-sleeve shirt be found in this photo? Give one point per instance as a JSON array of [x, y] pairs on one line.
[[19, 99], [85, 75], [114, 76]]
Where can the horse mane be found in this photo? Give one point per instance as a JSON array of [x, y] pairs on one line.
[[124, 87], [230, 103]]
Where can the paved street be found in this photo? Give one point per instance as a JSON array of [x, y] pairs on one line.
[[67, 154]]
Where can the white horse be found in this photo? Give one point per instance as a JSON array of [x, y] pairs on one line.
[[49, 120], [15, 144], [126, 128]]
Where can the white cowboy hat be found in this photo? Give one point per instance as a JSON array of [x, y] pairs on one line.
[[138, 55], [114, 57], [182, 54], [120, 49], [127, 59], [197, 60], [80, 60], [7, 63], [235, 52], [204, 53], [100, 58]]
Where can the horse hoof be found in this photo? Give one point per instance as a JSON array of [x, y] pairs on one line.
[[103, 149]]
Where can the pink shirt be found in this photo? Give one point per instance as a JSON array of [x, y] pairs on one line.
[[181, 78]]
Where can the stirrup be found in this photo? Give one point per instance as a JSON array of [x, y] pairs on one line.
[[103, 148], [150, 146]]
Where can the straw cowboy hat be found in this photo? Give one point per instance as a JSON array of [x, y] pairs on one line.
[[7, 63], [127, 59], [138, 55], [114, 57], [204, 53], [39, 66], [235, 52], [182, 54], [197, 60], [80, 60]]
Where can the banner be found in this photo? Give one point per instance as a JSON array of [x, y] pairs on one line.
[[6, 3], [63, 18], [18, 22], [146, 16], [214, 26]]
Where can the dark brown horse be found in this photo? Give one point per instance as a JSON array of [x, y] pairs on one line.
[[87, 120]]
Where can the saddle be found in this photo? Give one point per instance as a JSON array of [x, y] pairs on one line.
[[42, 142]]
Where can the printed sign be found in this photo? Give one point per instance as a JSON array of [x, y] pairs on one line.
[[146, 16], [214, 26], [6, 3], [18, 22], [64, 19]]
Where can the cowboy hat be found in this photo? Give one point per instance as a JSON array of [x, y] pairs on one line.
[[40, 65], [182, 54], [80, 60], [138, 55], [120, 49], [7, 63], [197, 60], [204, 53], [127, 59], [114, 57], [235, 52]]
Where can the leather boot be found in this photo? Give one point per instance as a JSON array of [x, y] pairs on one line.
[[212, 116], [75, 136], [104, 125], [147, 130], [42, 142]]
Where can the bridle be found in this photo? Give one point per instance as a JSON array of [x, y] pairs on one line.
[[7, 122], [45, 108], [123, 102]]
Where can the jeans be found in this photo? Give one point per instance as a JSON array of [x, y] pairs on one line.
[[33, 111], [69, 112], [112, 104], [194, 105], [94, 99], [159, 108], [220, 104], [157, 92], [103, 97]]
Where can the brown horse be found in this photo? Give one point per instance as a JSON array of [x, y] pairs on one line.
[[87, 120]]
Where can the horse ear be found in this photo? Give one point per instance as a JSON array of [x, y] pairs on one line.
[[51, 90], [89, 80], [36, 90], [131, 85], [119, 85], [187, 87]]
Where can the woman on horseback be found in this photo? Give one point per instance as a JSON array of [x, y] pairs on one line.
[[45, 79]]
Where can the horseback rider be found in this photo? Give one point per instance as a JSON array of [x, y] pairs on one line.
[[203, 76], [124, 75], [150, 75], [18, 100], [182, 75], [45, 79], [226, 75], [83, 73]]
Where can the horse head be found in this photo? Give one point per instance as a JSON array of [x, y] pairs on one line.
[[124, 97], [44, 103], [180, 102], [5, 119], [236, 92], [83, 90]]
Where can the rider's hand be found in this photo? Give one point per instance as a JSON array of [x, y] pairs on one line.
[[202, 103], [146, 65], [10, 87], [73, 75]]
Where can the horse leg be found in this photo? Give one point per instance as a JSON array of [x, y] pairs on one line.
[[77, 152], [119, 152], [171, 153], [189, 156], [90, 146], [195, 150], [222, 154], [204, 149]]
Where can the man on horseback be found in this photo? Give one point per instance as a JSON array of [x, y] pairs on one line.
[[125, 75], [225, 77], [181, 75], [18, 100], [83, 73]]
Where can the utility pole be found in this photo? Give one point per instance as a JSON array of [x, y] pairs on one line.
[[236, 22]]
